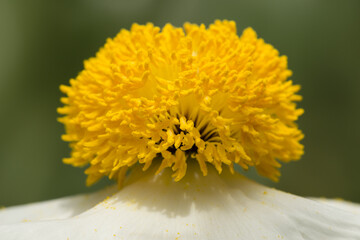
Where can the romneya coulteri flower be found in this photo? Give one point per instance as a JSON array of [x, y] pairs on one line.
[[168, 113]]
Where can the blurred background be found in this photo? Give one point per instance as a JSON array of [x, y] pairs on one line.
[[43, 44]]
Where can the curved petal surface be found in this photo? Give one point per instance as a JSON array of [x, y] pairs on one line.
[[61, 208], [214, 207]]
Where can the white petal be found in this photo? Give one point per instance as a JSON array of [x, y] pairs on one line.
[[341, 204], [61, 208], [212, 207]]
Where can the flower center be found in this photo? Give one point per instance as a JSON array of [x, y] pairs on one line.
[[179, 94]]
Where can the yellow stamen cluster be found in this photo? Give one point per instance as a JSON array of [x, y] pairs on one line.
[[182, 94]]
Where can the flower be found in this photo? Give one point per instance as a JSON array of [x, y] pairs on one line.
[[154, 207], [181, 94], [172, 100]]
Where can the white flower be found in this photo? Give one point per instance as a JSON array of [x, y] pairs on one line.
[[155, 207]]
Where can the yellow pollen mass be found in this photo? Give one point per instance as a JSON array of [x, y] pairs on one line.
[[175, 95]]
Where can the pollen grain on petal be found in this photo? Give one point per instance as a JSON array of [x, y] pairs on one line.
[[174, 95]]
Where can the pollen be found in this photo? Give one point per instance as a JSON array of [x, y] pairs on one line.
[[175, 95]]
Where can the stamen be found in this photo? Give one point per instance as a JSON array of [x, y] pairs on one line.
[[180, 95]]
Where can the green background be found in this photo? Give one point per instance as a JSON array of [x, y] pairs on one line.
[[43, 44]]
